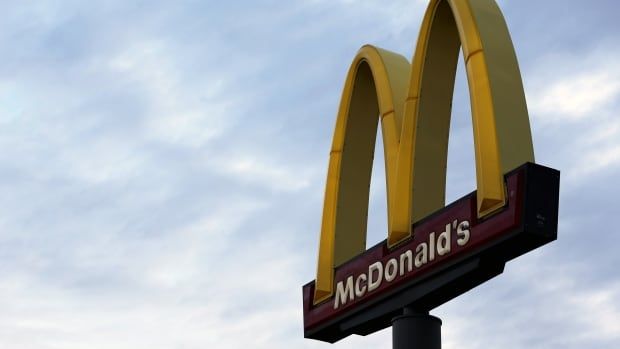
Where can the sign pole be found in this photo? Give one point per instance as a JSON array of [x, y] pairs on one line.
[[416, 330]]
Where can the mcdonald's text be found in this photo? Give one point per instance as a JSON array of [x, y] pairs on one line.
[[438, 245]]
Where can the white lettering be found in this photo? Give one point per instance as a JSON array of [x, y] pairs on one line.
[[344, 293], [360, 291], [408, 255], [462, 231], [391, 270], [431, 247], [444, 241], [373, 284], [421, 253], [425, 252]]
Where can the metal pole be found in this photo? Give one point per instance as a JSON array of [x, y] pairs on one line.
[[416, 330]]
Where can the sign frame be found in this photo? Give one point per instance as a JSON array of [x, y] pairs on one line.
[[528, 221]]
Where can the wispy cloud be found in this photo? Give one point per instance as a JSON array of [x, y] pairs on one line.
[[162, 173], [578, 94], [569, 88]]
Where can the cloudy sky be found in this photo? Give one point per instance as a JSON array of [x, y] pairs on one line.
[[162, 166]]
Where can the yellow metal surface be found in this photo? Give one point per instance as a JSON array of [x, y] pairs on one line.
[[414, 105], [376, 79]]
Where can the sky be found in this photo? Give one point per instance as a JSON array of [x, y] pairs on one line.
[[162, 169]]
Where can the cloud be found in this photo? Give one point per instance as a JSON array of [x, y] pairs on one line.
[[273, 176], [578, 96], [180, 114], [162, 170], [565, 87]]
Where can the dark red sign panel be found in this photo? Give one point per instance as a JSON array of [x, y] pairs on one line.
[[450, 252]]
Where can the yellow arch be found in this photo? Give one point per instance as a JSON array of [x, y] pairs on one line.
[[416, 141], [375, 86]]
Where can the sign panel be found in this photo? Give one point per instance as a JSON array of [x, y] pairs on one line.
[[450, 252]]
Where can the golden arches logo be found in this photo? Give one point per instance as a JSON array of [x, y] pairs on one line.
[[413, 102]]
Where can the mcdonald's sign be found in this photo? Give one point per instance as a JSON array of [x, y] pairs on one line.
[[433, 252]]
